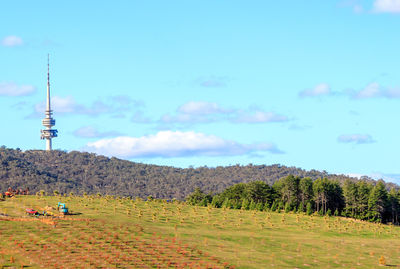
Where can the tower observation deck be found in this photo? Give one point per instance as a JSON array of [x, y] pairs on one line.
[[48, 121]]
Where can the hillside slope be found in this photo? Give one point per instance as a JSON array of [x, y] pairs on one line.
[[81, 172]]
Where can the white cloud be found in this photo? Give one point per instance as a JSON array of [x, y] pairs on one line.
[[196, 112], [260, 117], [200, 108], [319, 90], [116, 106], [187, 119], [59, 104], [387, 6], [356, 138], [12, 41], [374, 90], [12, 89], [392, 93], [175, 144], [91, 132], [370, 91], [206, 112], [64, 104], [356, 175], [395, 178]]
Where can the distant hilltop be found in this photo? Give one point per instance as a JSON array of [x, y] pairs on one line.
[[81, 172]]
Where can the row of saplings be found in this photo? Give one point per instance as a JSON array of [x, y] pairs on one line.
[[355, 199]]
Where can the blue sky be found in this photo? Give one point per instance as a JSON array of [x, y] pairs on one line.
[[312, 84]]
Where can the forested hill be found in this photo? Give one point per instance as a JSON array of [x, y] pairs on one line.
[[80, 172]]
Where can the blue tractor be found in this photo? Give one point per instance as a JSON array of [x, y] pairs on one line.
[[62, 208]]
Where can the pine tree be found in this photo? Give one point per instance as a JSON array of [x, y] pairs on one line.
[[378, 202]]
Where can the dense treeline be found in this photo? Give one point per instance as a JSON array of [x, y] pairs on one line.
[[360, 199], [81, 172]]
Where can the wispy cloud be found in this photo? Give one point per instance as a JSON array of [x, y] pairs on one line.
[[356, 138], [175, 144], [395, 178], [356, 175], [12, 41], [387, 6], [260, 117], [139, 117], [188, 119], [356, 5], [208, 112], [321, 89], [358, 8], [91, 132], [116, 106], [378, 6], [388, 177], [372, 90], [68, 105], [196, 112], [12, 89], [201, 108], [375, 90], [212, 81]]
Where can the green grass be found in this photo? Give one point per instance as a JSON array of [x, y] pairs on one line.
[[217, 237]]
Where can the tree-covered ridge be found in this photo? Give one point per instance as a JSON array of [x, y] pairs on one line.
[[81, 172], [359, 200]]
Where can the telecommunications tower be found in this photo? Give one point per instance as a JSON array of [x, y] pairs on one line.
[[48, 121]]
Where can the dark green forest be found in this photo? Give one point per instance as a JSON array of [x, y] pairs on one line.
[[360, 200], [81, 172]]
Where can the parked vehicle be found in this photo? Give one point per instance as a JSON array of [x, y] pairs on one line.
[[62, 208], [32, 212]]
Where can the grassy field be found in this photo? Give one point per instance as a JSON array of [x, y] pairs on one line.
[[122, 233]]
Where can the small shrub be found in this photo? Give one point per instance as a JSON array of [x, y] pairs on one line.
[[309, 210], [382, 261], [260, 206], [301, 208], [281, 206], [321, 212], [274, 206], [329, 212], [252, 205], [245, 204], [336, 213], [287, 208]]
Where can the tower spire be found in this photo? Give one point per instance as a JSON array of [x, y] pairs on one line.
[[48, 83], [48, 121]]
